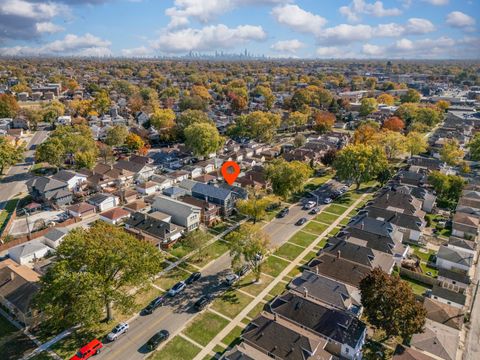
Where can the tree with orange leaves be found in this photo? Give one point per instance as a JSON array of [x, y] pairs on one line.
[[324, 121], [394, 123]]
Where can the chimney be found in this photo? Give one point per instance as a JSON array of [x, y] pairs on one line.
[[339, 253], [305, 291], [362, 225], [316, 270], [12, 275], [388, 195]]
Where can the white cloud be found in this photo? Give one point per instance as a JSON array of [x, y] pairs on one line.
[[298, 19], [141, 51], [48, 27], [207, 10], [345, 34], [288, 46], [419, 26], [437, 2], [32, 10], [372, 50], [86, 45], [460, 20], [331, 52], [207, 38], [354, 11]]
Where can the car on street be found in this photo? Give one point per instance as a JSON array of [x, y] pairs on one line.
[[177, 288], [284, 212], [327, 201], [243, 270], [201, 303], [314, 211], [192, 278], [155, 303], [301, 221], [309, 205], [230, 279], [86, 352], [157, 339], [118, 330]]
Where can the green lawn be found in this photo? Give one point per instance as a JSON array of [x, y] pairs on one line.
[[302, 238], [278, 289], [418, 287], [6, 212], [326, 218], [6, 328], [309, 257], [315, 227], [289, 251], [233, 337], [273, 266], [210, 253], [204, 328], [256, 310], [336, 209], [231, 303], [169, 279], [177, 348], [426, 269], [248, 285], [423, 253]]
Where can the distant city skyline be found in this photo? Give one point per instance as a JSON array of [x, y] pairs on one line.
[[403, 29]]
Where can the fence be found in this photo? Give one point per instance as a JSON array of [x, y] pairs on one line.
[[419, 277]]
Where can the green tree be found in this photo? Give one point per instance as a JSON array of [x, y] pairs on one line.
[[134, 142], [299, 140], [391, 141], [51, 151], [255, 206], [287, 177], [116, 135], [297, 118], [163, 120], [268, 97], [95, 269], [474, 147], [8, 106], [428, 116], [85, 159], [415, 143], [447, 187], [450, 152], [52, 111], [248, 244], [258, 125], [360, 163], [203, 139], [407, 112], [367, 106], [102, 102], [391, 305], [10, 154], [411, 96], [196, 241], [189, 117]]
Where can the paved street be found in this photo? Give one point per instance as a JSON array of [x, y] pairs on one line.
[[178, 310], [472, 346], [14, 181]]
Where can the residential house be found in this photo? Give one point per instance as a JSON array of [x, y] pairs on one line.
[[162, 182], [114, 216], [126, 195], [448, 297], [463, 245], [18, 286], [469, 202], [399, 201], [224, 198], [465, 226], [183, 214], [209, 213], [343, 331], [454, 279], [104, 202], [147, 188], [406, 353], [327, 291], [81, 210], [73, 179], [155, 227], [443, 313], [439, 340], [20, 123], [54, 237], [174, 192], [138, 205], [141, 171], [452, 259], [50, 191], [29, 252]]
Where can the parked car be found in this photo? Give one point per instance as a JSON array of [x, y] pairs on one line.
[[309, 205], [314, 211], [92, 348], [192, 278], [201, 303], [155, 303], [230, 279], [284, 212], [327, 201], [243, 270], [118, 330], [301, 221], [157, 339], [177, 288]]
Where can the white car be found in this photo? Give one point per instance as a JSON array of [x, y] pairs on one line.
[[231, 278], [327, 201], [177, 288], [310, 205], [118, 330]]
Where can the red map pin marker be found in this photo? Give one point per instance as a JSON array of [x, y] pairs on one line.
[[230, 171]]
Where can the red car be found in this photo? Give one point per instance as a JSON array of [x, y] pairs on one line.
[[92, 348]]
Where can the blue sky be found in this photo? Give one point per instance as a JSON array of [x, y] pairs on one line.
[[432, 29]]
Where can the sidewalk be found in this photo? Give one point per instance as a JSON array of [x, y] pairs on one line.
[[225, 331]]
